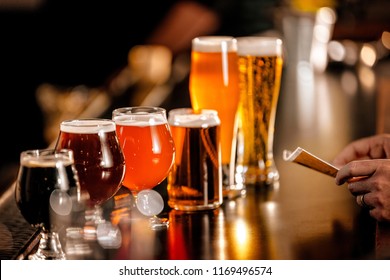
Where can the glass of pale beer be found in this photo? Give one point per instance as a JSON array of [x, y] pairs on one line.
[[260, 69], [214, 85], [195, 180]]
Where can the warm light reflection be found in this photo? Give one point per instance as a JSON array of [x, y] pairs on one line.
[[386, 39], [221, 238], [368, 55], [241, 233], [351, 52], [336, 51], [367, 79], [325, 105], [305, 92], [322, 33], [349, 83], [241, 239]]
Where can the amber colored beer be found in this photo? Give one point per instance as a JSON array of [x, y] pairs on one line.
[[148, 149], [260, 69], [214, 85], [97, 154], [195, 180]]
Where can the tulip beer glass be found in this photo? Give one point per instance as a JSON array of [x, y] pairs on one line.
[[147, 144], [195, 180], [47, 193], [260, 69], [98, 159], [214, 85]]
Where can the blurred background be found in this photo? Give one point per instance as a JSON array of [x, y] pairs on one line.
[[66, 59]]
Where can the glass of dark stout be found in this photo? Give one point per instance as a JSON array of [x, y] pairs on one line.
[[47, 193]]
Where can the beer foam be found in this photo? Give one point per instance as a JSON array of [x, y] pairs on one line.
[[52, 161], [193, 120], [88, 126], [139, 120], [259, 46], [214, 44]]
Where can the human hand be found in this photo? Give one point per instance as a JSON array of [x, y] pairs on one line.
[[374, 147], [369, 182]]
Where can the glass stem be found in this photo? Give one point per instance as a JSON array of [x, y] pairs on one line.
[[49, 247]]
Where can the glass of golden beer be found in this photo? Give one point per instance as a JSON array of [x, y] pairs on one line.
[[260, 69], [195, 180], [214, 85]]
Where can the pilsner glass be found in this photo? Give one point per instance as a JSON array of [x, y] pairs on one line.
[[260, 70], [214, 85]]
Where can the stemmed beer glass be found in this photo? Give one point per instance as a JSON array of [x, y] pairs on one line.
[[148, 147], [47, 193], [99, 162]]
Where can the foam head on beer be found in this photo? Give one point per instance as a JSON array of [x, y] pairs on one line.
[[259, 46]]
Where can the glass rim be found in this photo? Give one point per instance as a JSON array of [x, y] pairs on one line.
[[139, 110], [188, 117], [259, 45], [87, 125], [51, 154], [214, 43]]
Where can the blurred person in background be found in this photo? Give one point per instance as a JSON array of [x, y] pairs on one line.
[[67, 43]]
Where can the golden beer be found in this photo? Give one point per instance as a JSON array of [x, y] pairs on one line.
[[195, 179], [260, 69], [214, 85]]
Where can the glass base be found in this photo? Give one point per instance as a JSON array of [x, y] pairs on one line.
[[49, 248], [256, 176], [157, 223], [231, 190]]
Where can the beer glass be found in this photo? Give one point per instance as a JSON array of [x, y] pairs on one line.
[[47, 191], [214, 85], [99, 162], [147, 144], [195, 180], [260, 69]]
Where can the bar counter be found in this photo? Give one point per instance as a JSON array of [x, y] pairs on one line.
[[306, 216]]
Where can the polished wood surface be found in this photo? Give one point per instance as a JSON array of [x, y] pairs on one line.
[[305, 216]]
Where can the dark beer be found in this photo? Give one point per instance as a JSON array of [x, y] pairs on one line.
[[195, 180], [46, 191], [97, 154]]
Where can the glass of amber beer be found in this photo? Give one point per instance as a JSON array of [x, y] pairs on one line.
[[195, 180], [260, 69], [148, 147], [214, 85], [99, 162]]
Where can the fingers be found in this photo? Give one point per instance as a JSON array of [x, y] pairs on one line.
[[361, 200], [355, 171]]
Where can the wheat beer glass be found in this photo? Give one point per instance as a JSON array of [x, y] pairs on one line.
[[147, 144], [195, 180], [47, 193], [260, 69], [99, 162], [214, 85]]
